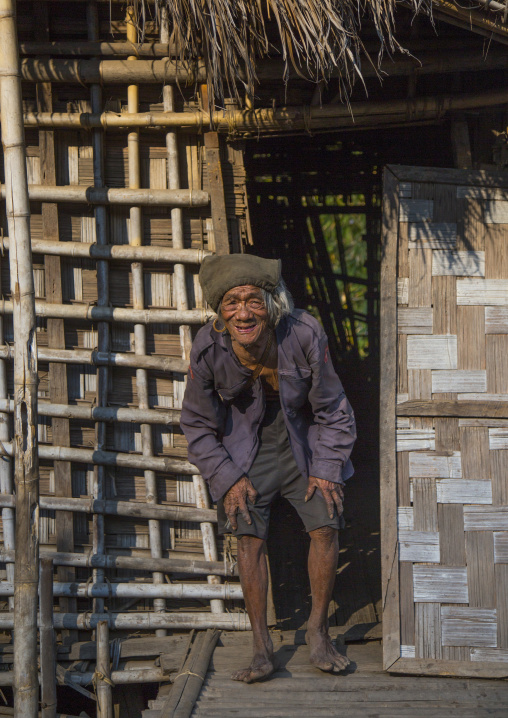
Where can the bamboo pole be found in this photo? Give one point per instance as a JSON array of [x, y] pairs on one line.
[[115, 195], [100, 413], [138, 299], [134, 509], [121, 252], [146, 563], [101, 230], [104, 314], [102, 676], [102, 457], [47, 641], [175, 591], [103, 49], [142, 621], [26, 570], [96, 358], [280, 119]]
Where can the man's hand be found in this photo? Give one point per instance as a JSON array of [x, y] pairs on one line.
[[333, 494], [235, 500]]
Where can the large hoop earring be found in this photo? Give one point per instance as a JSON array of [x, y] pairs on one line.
[[219, 331]]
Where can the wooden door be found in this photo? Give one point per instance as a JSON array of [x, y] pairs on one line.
[[444, 422]]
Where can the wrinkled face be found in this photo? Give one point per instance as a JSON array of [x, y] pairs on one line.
[[245, 315]]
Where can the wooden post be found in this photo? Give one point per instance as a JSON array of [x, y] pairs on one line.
[[216, 189], [26, 571], [47, 641], [103, 672]]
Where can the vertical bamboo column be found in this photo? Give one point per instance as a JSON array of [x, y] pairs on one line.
[[47, 641], [101, 230], [6, 483], [26, 476], [181, 302], [138, 295], [103, 672]]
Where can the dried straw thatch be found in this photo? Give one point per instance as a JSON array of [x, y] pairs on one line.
[[315, 37]]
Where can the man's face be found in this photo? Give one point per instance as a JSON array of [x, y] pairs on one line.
[[245, 314]]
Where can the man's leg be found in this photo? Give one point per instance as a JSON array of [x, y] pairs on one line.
[[254, 579], [323, 558]]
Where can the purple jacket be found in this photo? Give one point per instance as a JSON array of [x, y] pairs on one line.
[[221, 421]]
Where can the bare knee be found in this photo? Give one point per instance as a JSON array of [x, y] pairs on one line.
[[325, 536], [251, 546]]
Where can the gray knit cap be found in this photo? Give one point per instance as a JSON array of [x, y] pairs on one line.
[[220, 273]]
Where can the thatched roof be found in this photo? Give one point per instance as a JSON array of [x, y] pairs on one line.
[[317, 38]]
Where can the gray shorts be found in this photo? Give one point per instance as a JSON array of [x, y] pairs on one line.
[[274, 472]]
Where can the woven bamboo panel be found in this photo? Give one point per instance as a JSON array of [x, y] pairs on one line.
[[452, 478]]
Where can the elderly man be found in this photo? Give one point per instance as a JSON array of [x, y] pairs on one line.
[[265, 414]]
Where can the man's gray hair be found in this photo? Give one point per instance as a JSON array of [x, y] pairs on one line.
[[279, 303]]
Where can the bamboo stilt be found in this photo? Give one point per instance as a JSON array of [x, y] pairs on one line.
[[102, 680], [114, 561], [138, 297], [104, 314], [175, 591], [119, 252], [26, 571], [95, 358], [115, 195], [113, 507], [47, 641]]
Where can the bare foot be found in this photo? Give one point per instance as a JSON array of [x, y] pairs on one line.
[[261, 667], [323, 654]]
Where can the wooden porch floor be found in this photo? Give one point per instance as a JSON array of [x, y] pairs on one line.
[[297, 689]]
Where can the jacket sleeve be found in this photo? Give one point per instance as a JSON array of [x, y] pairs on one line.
[[203, 414], [333, 415]]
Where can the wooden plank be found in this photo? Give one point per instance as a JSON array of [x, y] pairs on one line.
[[482, 292], [403, 255], [483, 669], [496, 320], [482, 178], [497, 363], [428, 630], [499, 474], [463, 491], [470, 338], [440, 584], [425, 504], [486, 518], [463, 626], [501, 576], [420, 278], [456, 408], [444, 305], [216, 189], [480, 569], [458, 380], [500, 546], [388, 383], [416, 210], [403, 492], [451, 534], [419, 546], [495, 212], [432, 352], [475, 452], [414, 320], [402, 378], [432, 235], [442, 466]]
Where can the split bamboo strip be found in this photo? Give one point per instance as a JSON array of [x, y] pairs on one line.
[[101, 232], [47, 641], [176, 591], [100, 413], [142, 621], [96, 358], [26, 476], [138, 299], [269, 119], [101, 457], [105, 314], [111, 560], [115, 195], [121, 252], [102, 676], [118, 508]]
